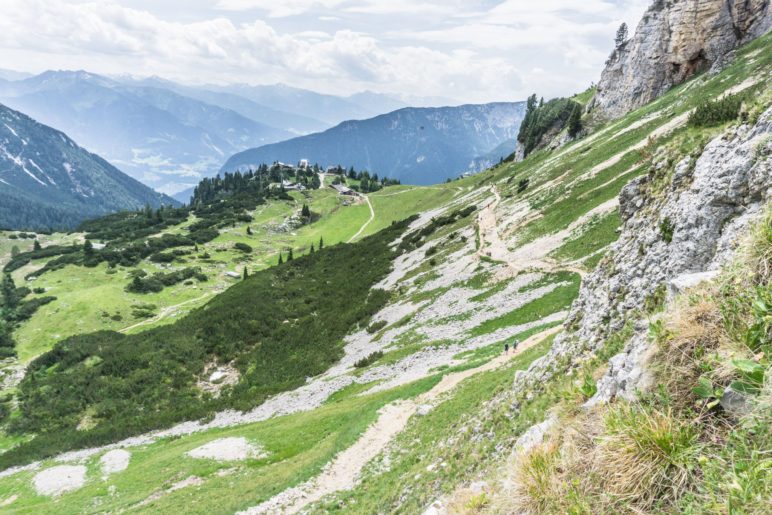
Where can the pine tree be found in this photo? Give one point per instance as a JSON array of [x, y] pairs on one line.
[[321, 243], [5, 336], [575, 121], [305, 212], [136, 285], [281, 260], [88, 248], [249, 231], [36, 245], [289, 256], [622, 34], [8, 292], [246, 273], [312, 248]]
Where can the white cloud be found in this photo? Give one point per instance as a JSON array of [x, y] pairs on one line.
[[278, 8], [454, 48]]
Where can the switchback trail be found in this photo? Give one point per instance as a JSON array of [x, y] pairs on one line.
[[343, 471], [530, 256]]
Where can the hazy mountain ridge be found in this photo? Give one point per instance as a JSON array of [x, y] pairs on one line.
[[272, 116], [330, 109], [164, 139], [414, 145], [48, 181]]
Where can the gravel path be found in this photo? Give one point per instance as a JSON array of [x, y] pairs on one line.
[[364, 226], [343, 471]]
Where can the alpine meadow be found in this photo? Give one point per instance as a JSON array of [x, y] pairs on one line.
[[372, 257]]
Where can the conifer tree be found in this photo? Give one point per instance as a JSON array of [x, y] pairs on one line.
[[289, 256], [246, 273], [8, 292], [281, 260], [622, 33], [249, 231], [312, 248], [36, 245], [321, 242], [575, 121]]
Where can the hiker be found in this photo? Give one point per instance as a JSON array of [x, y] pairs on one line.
[[506, 348], [515, 344]]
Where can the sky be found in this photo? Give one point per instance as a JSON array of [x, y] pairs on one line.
[[470, 51]]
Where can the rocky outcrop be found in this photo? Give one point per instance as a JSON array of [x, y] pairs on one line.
[[676, 225], [675, 40]]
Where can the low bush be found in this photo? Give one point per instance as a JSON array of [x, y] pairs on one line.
[[157, 282], [369, 360], [376, 326], [717, 112], [666, 229]]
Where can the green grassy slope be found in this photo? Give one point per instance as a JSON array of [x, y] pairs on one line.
[[76, 287], [462, 303], [276, 328]]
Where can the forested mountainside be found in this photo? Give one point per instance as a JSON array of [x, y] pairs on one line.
[[413, 145], [48, 182], [583, 330]]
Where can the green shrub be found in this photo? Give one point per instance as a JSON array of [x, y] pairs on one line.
[[369, 360], [376, 326], [163, 257], [157, 282], [243, 247], [716, 112], [666, 229]]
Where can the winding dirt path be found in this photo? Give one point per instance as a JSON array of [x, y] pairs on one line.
[[534, 254], [165, 312], [343, 471], [364, 226]]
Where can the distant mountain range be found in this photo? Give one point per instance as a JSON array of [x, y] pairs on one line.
[[48, 181], [329, 109], [162, 138], [414, 145], [168, 135]]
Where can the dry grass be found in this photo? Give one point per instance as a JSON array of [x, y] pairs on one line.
[[623, 461], [538, 482], [645, 455], [633, 459], [468, 502], [692, 331]]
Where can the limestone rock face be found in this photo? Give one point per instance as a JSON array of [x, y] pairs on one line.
[[675, 40], [708, 205]]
